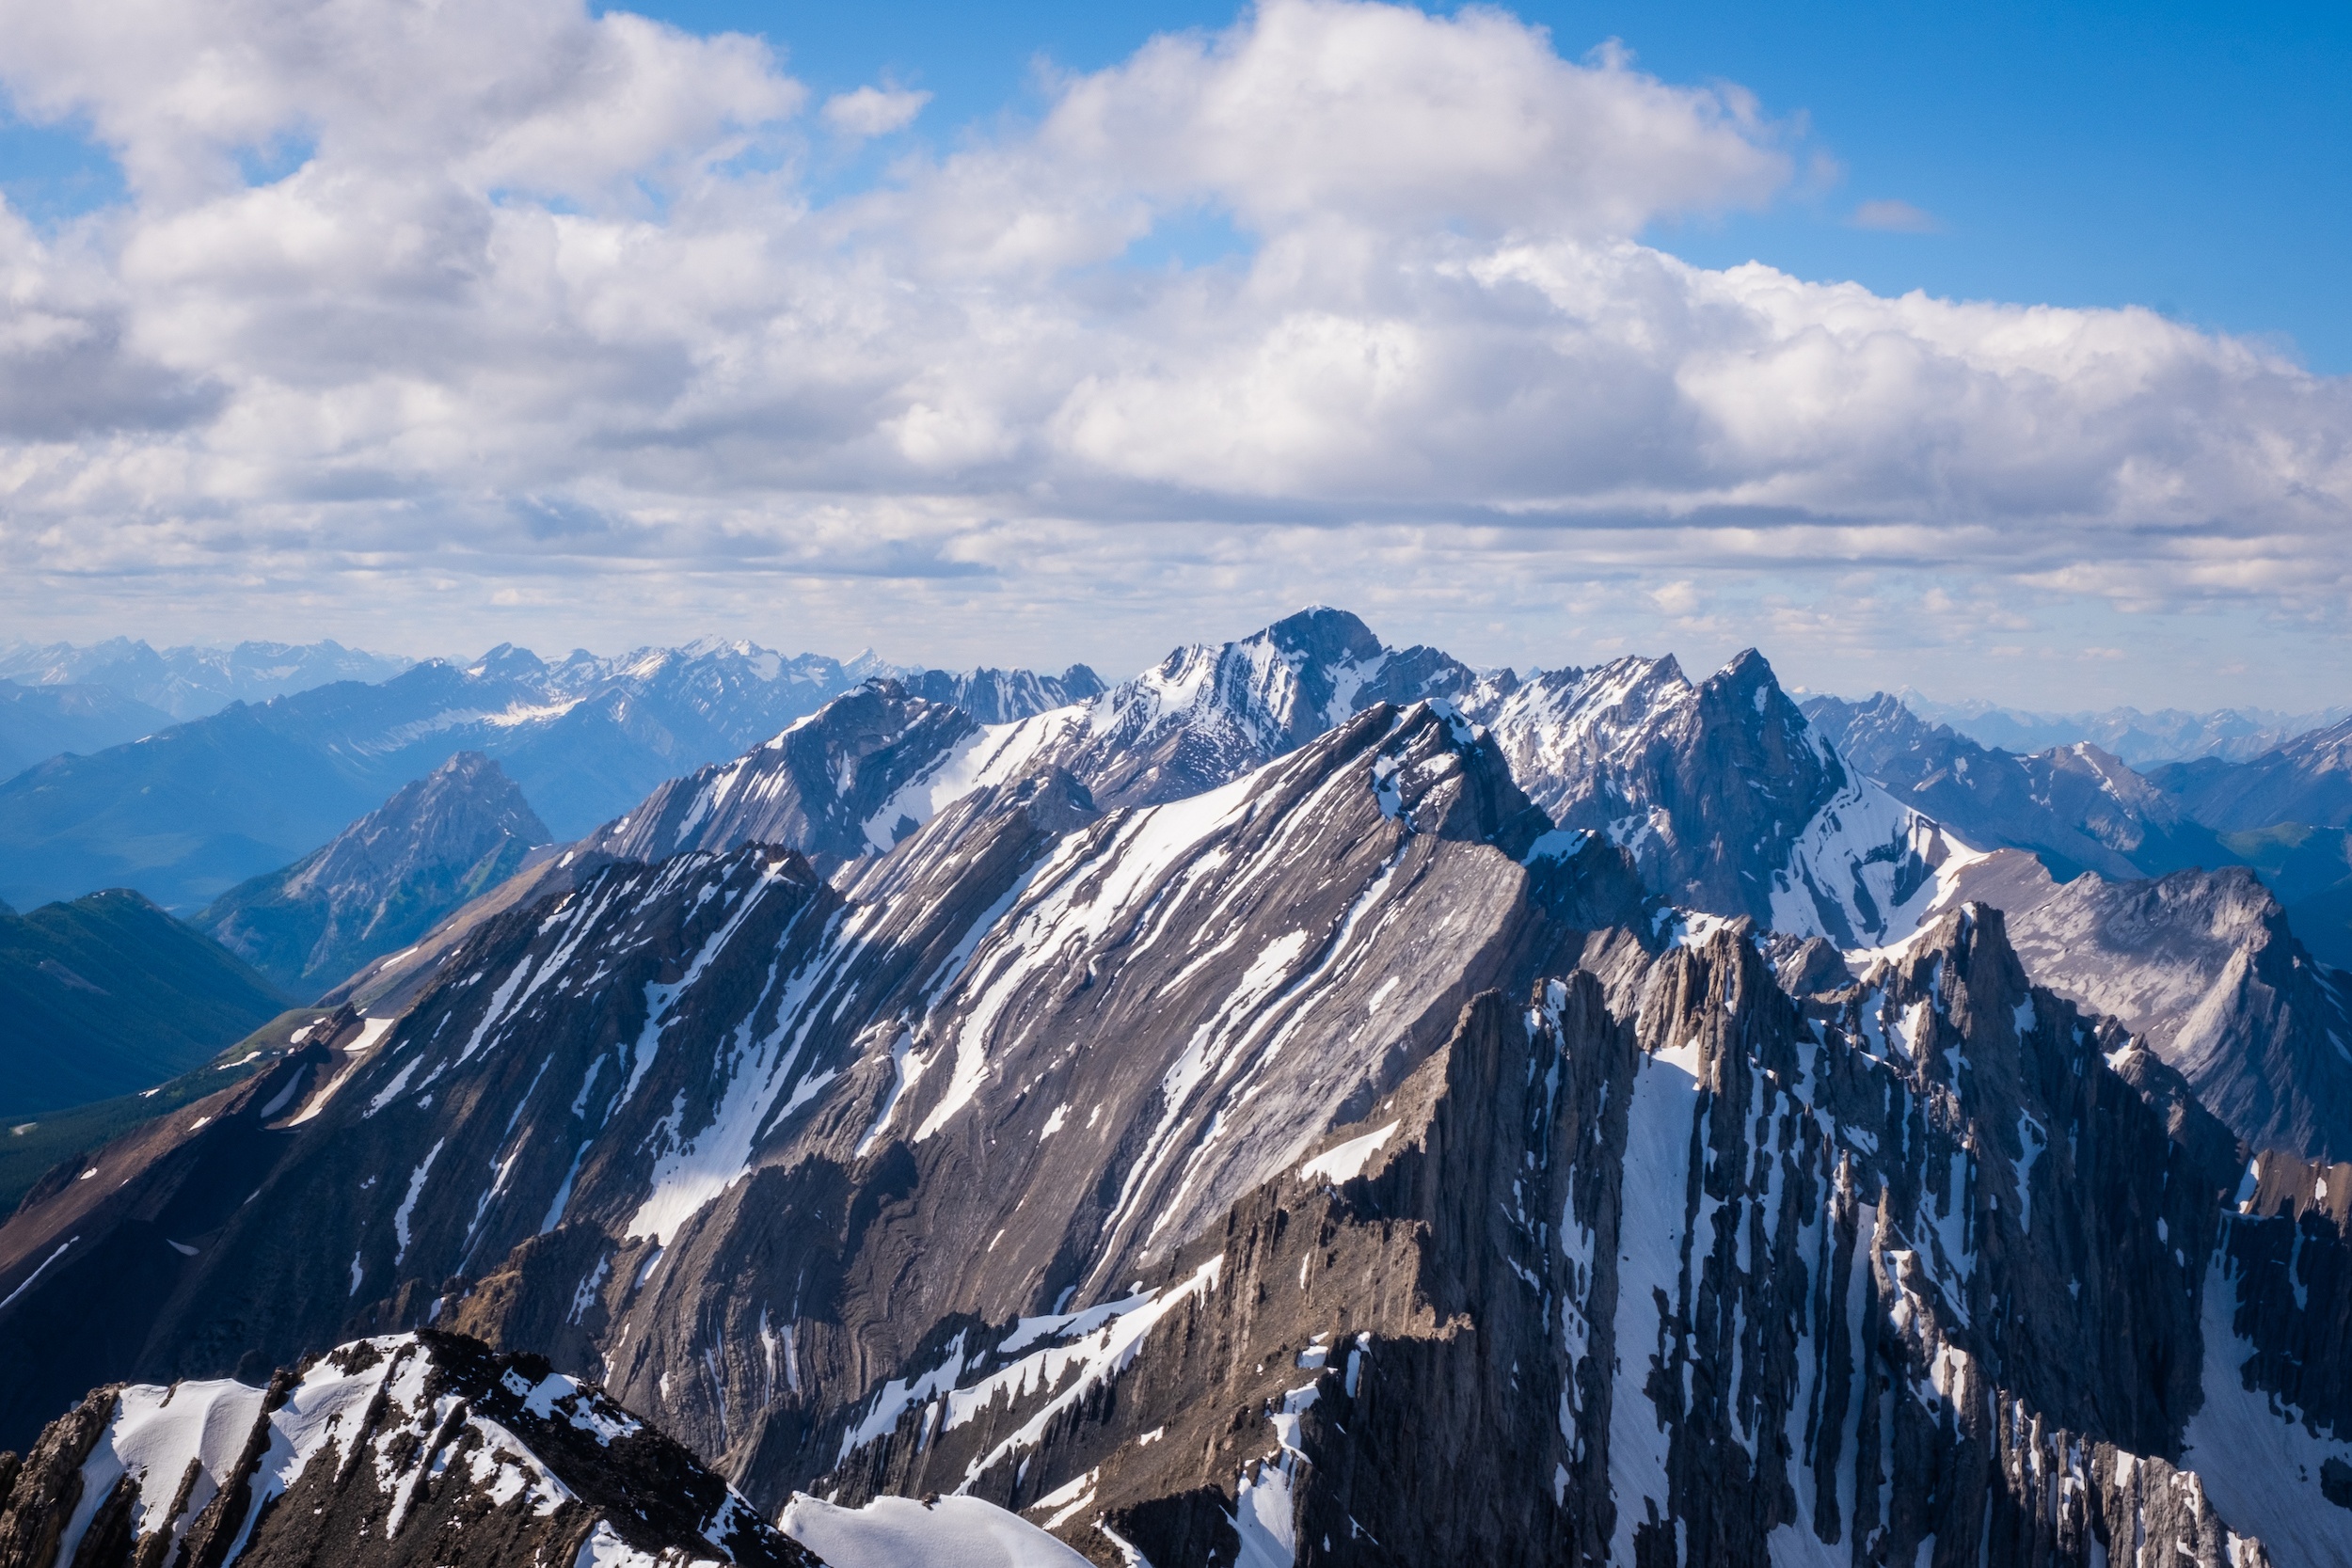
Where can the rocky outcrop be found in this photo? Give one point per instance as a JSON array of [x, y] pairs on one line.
[[422, 1449]]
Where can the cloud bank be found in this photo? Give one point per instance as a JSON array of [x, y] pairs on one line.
[[411, 300]]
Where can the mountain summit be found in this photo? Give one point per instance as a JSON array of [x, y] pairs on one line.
[[382, 882]]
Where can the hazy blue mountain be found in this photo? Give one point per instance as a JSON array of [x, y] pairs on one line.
[[108, 994], [190, 812], [39, 722], [190, 682], [2307, 780], [383, 881], [2167, 735]]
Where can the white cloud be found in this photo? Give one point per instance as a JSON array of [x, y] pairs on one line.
[[543, 299], [874, 111]]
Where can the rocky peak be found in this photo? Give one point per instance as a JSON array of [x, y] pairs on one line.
[[1727, 799], [1006, 696], [509, 662], [461, 811], [837, 784], [383, 881]]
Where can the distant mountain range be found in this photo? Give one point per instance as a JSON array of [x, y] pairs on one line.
[[2078, 807], [2168, 735], [189, 812], [39, 721], [190, 682], [108, 994]]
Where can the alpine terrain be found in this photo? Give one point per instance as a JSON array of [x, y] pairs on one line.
[[1313, 1102]]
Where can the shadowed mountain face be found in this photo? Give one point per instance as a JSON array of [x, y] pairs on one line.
[[108, 994], [384, 881], [2307, 780], [1343, 1154]]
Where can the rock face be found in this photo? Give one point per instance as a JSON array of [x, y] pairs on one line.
[[1005, 696], [1725, 795], [1340, 1164], [108, 996], [2204, 967], [384, 881], [420, 1448], [2077, 807], [1712, 1282], [2308, 780]]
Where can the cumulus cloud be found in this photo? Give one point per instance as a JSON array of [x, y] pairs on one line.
[[525, 293], [871, 111]]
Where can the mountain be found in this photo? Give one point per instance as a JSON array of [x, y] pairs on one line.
[[1725, 795], [108, 994], [191, 682], [2140, 739], [2310, 869], [2077, 807], [2205, 972], [1343, 1163], [38, 722], [1003, 696], [2308, 780], [1725, 798], [472, 1459], [870, 768], [383, 882], [189, 813]]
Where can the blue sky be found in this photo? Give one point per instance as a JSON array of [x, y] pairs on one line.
[[1056, 331], [2188, 158]]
